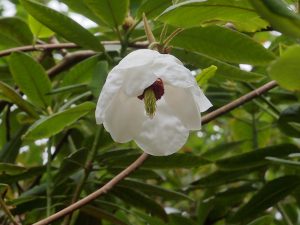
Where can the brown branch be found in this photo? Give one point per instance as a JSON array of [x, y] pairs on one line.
[[69, 60], [132, 167], [238, 102], [97, 193], [42, 47]]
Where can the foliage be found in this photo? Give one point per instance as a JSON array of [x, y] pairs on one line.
[[242, 168]]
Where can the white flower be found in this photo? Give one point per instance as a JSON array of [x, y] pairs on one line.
[[146, 80]]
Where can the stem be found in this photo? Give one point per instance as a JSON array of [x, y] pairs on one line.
[[254, 131], [7, 212], [171, 36], [137, 163], [49, 177], [88, 169]]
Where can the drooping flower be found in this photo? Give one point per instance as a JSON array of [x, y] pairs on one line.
[[153, 99]]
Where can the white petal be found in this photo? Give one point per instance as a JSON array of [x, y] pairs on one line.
[[203, 102], [124, 117], [172, 72], [111, 87], [182, 103], [164, 134], [138, 58]]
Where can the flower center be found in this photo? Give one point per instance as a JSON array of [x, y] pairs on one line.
[[150, 95]]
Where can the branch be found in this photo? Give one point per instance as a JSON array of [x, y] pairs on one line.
[[238, 102], [132, 167], [42, 47], [69, 60]]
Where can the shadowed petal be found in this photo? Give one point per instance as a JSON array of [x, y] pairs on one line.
[[164, 134], [124, 117]]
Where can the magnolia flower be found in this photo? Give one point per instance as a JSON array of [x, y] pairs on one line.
[[153, 99]]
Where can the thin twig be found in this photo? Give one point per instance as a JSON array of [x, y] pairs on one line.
[[238, 102], [7, 212], [132, 167], [42, 47], [69, 60]]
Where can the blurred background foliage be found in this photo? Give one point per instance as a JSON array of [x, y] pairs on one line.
[[241, 168]]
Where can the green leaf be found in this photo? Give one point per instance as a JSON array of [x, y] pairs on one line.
[[38, 29], [285, 162], [225, 70], [15, 98], [62, 25], [263, 220], [289, 121], [80, 7], [11, 169], [153, 190], [256, 158], [112, 12], [10, 151], [159, 162], [70, 165], [222, 177], [139, 200], [286, 69], [221, 150], [213, 41], [16, 30], [82, 72], [31, 78], [196, 13], [100, 214], [51, 125], [27, 174], [207, 73], [279, 15], [270, 194], [153, 8]]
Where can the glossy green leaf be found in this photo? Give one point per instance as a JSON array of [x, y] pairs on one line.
[[15, 30], [62, 25], [51, 125], [225, 70], [256, 158], [81, 7], [31, 78], [213, 41], [82, 72], [286, 69], [289, 121], [267, 196], [285, 162], [112, 12], [15, 98], [38, 29], [153, 8], [279, 15], [196, 13]]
